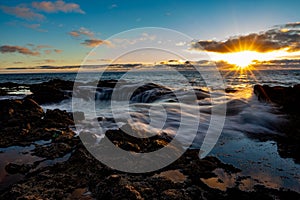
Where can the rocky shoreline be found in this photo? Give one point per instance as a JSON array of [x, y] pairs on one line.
[[287, 99], [23, 122]]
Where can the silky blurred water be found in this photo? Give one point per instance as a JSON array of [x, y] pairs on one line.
[[245, 114]]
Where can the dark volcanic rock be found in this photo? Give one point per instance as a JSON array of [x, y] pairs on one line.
[[2, 92], [18, 116], [50, 92], [149, 93], [58, 117], [13, 168], [135, 144], [180, 180], [55, 150], [19, 110], [24, 121], [230, 90], [108, 83], [11, 88], [287, 97]]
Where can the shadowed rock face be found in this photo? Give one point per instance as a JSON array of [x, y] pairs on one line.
[[17, 114], [51, 91], [24, 121], [287, 97]]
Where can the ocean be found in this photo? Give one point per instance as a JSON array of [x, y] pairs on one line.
[[156, 111], [270, 77]]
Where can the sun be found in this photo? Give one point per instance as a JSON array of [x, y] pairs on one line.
[[241, 59]]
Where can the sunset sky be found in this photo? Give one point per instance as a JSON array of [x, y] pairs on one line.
[[60, 33]]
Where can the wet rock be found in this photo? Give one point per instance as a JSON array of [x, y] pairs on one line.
[[129, 143], [180, 180], [109, 83], [24, 121], [235, 106], [230, 90], [173, 175], [81, 194], [52, 151], [2, 92], [174, 194], [19, 110], [46, 94], [58, 117], [17, 118], [261, 94], [13, 89], [287, 97], [13, 168], [149, 93], [51, 91]]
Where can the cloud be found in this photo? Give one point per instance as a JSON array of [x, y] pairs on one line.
[[33, 50], [58, 50], [91, 41], [82, 31], [23, 12], [34, 27], [48, 51], [95, 42], [19, 68], [29, 12], [57, 6], [125, 41], [292, 25], [18, 62], [180, 44], [49, 61], [18, 49], [74, 33], [113, 6], [43, 46], [285, 37], [282, 62], [55, 67], [105, 59]]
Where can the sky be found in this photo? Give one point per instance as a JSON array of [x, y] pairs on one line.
[[60, 33]]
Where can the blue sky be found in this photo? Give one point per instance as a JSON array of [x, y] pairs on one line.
[[44, 26]]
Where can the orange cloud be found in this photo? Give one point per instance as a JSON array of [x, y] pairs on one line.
[[49, 61], [34, 27], [48, 51], [22, 12], [18, 49], [82, 31], [43, 46], [74, 34], [95, 42], [58, 50], [32, 50], [50, 7]]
